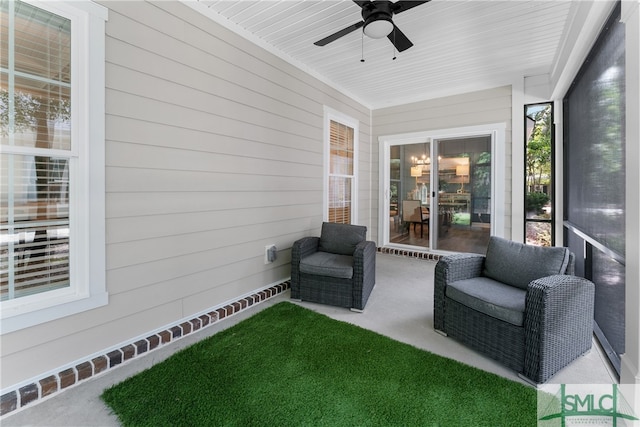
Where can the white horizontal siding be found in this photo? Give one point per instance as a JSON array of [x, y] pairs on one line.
[[217, 137], [213, 150], [159, 248], [465, 110], [130, 205]]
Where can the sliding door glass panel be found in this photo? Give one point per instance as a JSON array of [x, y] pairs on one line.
[[463, 194], [409, 194], [395, 189], [481, 191]]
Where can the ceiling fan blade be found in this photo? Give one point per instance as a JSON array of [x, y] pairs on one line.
[[402, 5], [336, 36], [399, 40]]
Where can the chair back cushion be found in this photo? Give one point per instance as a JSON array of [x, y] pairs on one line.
[[341, 238], [517, 264]]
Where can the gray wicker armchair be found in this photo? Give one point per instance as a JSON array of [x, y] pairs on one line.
[[519, 304], [338, 268]]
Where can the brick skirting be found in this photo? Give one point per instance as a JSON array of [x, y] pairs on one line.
[[410, 254], [52, 384]]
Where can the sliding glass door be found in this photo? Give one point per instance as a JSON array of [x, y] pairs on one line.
[[438, 192]]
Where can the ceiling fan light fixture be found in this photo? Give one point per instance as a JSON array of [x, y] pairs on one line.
[[378, 27], [377, 22]]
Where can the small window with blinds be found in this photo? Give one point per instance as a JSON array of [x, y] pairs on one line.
[[48, 222], [341, 172]]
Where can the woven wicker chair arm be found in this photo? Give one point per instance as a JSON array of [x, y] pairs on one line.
[[364, 250], [561, 293], [300, 249], [558, 323], [364, 272], [449, 269], [557, 286], [460, 266], [304, 247], [363, 255]]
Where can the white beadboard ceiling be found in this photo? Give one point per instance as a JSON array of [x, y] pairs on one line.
[[459, 46]]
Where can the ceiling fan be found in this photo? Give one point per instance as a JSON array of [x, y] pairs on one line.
[[377, 22]]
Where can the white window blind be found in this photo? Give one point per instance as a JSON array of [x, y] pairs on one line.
[[34, 173], [341, 172]]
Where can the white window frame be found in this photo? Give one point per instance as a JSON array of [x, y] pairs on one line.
[[333, 115], [87, 164]]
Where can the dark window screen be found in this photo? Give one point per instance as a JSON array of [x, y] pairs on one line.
[[594, 111], [594, 179], [609, 313]]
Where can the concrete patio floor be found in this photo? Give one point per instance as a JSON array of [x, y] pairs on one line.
[[401, 307]]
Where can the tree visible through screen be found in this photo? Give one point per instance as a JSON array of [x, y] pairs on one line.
[[539, 175]]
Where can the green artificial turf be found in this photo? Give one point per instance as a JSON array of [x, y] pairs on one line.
[[290, 366]]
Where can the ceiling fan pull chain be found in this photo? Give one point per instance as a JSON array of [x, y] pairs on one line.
[[362, 57], [394, 44]]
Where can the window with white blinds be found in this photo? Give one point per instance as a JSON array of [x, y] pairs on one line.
[[342, 142], [34, 173], [44, 163]]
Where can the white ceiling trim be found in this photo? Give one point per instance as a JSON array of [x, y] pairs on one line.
[[587, 22]]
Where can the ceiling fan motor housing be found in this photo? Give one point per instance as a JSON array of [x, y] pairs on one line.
[[377, 11]]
